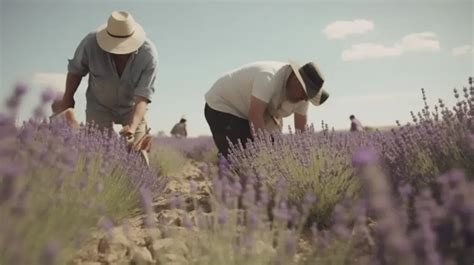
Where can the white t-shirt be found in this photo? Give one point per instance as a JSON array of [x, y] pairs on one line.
[[264, 80]]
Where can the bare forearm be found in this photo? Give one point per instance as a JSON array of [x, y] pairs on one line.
[[72, 83], [257, 122], [138, 114], [256, 111], [300, 122], [300, 127]]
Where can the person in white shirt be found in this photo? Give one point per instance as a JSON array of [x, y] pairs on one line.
[[261, 94], [356, 125]]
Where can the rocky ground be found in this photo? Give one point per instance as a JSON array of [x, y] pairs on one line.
[[129, 242]]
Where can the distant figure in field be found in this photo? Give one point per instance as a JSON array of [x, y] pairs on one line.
[[179, 129], [356, 125], [261, 94]]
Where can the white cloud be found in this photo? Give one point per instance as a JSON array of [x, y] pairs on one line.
[[341, 29], [416, 42], [463, 50], [425, 41]]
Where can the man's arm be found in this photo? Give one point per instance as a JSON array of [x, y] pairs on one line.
[[257, 108], [138, 112], [143, 93], [77, 67], [300, 122], [72, 83]]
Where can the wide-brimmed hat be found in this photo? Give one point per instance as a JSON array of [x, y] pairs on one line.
[[121, 34], [312, 81]]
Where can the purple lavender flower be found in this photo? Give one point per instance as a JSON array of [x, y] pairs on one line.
[[204, 168], [21, 89], [146, 199], [222, 217], [281, 213], [48, 95], [106, 224], [290, 245], [187, 223], [50, 254], [7, 189], [253, 220], [365, 158]]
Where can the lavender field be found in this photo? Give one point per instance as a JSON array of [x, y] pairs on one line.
[[404, 196]]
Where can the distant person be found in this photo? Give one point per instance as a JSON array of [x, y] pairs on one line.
[[261, 94], [122, 64], [356, 125], [179, 129]]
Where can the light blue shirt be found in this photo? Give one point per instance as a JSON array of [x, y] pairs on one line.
[[107, 91]]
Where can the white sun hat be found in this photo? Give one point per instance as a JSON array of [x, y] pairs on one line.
[[121, 34]]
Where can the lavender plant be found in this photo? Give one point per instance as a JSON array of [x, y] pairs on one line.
[[440, 233], [225, 233], [320, 163], [391, 198], [306, 163], [57, 182], [198, 148], [438, 140]]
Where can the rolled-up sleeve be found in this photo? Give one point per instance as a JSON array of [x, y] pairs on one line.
[[79, 64], [146, 83]]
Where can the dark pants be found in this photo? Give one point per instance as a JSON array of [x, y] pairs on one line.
[[224, 125]]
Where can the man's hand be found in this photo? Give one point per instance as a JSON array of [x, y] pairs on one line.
[[67, 103], [128, 133]]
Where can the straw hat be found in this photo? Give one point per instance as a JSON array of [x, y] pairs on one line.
[[121, 34], [312, 81]]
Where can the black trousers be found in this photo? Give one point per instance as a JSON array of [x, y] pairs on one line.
[[224, 125]]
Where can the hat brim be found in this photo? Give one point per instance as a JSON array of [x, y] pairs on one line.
[[316, 100], [120, 45]]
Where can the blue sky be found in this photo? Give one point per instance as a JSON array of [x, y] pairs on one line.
[[375, 55]]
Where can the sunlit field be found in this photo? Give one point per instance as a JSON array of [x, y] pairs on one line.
[[403, 195]]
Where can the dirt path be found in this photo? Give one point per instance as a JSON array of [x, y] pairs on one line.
[[127, 243]]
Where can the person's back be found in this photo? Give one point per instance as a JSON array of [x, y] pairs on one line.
[[179, 129], [356, 125], [231, 93]]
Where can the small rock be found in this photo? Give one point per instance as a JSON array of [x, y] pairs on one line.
[[141, 256], [115, 247], [103, 246]]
